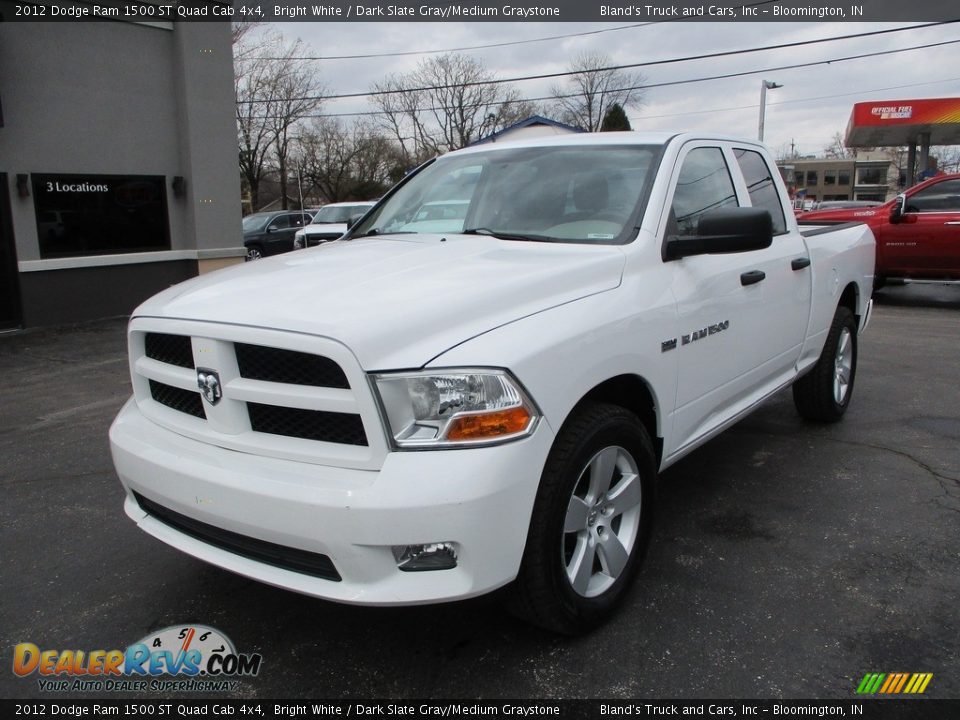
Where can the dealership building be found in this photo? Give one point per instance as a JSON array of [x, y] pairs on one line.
[[878, 133], [118, 164]]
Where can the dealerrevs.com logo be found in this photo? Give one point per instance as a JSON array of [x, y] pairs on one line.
[[178, 658]]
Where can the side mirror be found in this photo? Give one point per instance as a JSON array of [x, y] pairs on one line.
[[272, 229], [353, 220], [728, 230], [898, 209]]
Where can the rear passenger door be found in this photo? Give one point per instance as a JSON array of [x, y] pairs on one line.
[[786, 288], [741, 317]]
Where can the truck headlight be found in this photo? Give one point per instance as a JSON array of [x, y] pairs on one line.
[[455, 408]]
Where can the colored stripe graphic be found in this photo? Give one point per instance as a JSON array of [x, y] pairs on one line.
[[903, 679], [894, 683]]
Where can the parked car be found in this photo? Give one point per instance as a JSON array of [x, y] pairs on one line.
[[918, 232], [329, 223], [271, 233], [410, 418], [438, 216]]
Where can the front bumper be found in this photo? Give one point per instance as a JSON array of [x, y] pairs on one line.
[[480, 498]]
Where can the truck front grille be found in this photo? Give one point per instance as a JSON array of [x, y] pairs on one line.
[[332, 427], [170, 349], [276, 393], [281, 556], [177, 399], [288, 366]]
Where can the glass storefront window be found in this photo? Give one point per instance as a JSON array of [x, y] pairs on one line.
[[100, 214]]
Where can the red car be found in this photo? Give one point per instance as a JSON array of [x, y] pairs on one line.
[[918, 232]]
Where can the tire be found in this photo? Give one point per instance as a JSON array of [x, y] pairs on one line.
[[603, 453], [254, 252], [823, 394]]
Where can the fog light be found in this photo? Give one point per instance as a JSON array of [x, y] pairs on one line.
[[435, 556]]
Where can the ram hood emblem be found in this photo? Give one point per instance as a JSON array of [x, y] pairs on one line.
[[209, 383]]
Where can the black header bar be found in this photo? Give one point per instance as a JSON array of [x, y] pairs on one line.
[[479, 10], [857, 708]]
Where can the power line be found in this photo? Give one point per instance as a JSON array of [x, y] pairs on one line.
[[404, 53], [798, 100], [663, 84], [460, 49], [797, 65], [650, 63]]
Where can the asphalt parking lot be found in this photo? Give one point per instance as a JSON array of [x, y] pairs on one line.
[[788, 559]]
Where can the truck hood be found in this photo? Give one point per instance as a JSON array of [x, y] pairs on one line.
[[396, 301]]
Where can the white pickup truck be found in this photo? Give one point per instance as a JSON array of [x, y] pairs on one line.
[[404, 417]]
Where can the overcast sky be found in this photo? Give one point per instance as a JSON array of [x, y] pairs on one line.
[[813, 104]]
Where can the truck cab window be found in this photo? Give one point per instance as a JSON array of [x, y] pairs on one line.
[[763, 192], [704, 185], [942, 197]]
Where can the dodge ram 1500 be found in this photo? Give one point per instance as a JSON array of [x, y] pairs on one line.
[[412, 415]]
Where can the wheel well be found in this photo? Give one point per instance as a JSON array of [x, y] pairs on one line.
[[633, 393], [849, 299]]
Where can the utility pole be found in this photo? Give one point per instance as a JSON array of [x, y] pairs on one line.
[[764, 86]]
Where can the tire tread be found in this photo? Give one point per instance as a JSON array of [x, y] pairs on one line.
[[533, 597], [813, 393]]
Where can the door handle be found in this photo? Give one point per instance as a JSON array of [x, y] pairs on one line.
[[800, 263], [754, 276]]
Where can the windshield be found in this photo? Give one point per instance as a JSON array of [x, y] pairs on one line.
[[338, 213], [255, 222], [571, 193]]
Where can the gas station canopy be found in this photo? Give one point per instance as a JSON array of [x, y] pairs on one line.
[[901, 122]]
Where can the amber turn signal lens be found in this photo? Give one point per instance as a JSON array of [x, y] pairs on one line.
[[489, 425]]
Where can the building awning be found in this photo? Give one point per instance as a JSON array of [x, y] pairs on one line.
[[899, 122]]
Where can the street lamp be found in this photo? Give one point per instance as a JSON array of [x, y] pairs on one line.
[[764, 86]]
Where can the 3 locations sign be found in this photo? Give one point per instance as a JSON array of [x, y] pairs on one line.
[[100, 214]]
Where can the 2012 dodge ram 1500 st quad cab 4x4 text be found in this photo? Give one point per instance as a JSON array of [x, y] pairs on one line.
[[404, 416]]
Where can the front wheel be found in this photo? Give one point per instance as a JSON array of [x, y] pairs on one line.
[[591, 521], [254, 252], [824, 393]]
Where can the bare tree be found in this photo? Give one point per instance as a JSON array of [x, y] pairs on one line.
[[295, 94], [275, 91], [837, 148], [948, 158], [446, 103], [402, 116], [348, 163], [585, 97], [239, 29], [252, 83]]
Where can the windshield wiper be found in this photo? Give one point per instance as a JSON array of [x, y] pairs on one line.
[[505, 235], [378, 231]]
